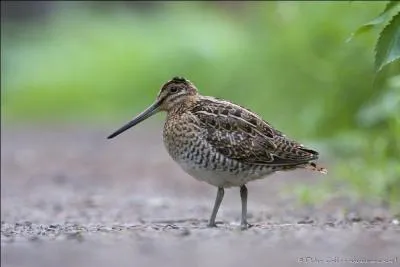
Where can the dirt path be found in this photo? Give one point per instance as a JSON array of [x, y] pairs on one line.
[[69, 197]]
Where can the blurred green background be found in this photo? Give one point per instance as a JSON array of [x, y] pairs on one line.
[[103, 62]]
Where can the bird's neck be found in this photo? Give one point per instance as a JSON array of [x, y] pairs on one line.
[[183, 106]]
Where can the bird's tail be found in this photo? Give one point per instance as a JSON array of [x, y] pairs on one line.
[[314, 167]]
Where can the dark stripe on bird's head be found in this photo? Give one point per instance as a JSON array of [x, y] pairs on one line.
[[179, 79]]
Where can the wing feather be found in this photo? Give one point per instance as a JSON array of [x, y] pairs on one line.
[[242, 135]]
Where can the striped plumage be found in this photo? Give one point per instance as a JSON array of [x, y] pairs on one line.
[[220, 142]]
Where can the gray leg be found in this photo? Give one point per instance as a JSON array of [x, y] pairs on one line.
[[218, 200], [243, 196]]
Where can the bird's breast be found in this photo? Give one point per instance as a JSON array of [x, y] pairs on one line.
[[187, 146], [184, 141]]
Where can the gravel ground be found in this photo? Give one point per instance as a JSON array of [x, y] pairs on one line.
[[69, 197]]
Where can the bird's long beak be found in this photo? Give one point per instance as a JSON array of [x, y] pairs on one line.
[[153, 109]]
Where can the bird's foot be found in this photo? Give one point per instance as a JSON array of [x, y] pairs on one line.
[[245, 226], [211, 225]]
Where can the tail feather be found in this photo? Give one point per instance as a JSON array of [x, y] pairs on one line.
[[314, 167]]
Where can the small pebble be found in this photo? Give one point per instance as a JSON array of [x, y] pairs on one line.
[[353, 217], [75, 236], [306, 221], [185, 232], [330, 224]]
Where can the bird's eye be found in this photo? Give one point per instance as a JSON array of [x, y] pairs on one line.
[[173, 89]]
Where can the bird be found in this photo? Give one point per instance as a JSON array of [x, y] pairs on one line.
[[222, 143]]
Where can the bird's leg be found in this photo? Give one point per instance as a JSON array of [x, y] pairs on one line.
[[243, 196], [218, 200]]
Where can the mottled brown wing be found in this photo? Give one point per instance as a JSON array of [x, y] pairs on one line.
[[240, 134]]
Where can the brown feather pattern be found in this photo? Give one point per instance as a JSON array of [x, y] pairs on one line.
[[240, 134]]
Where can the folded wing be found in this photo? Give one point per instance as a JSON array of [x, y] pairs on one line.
[[240, 134]]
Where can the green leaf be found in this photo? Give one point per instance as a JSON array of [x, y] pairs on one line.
[[390, 6], [388, 46], [385, 15]]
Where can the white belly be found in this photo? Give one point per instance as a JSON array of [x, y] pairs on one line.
[[221, 177]]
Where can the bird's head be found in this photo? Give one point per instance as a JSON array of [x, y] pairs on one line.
[[173, 93]]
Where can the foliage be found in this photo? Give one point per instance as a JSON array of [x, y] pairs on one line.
[[369, 152], [373, 168], [388, 44]]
